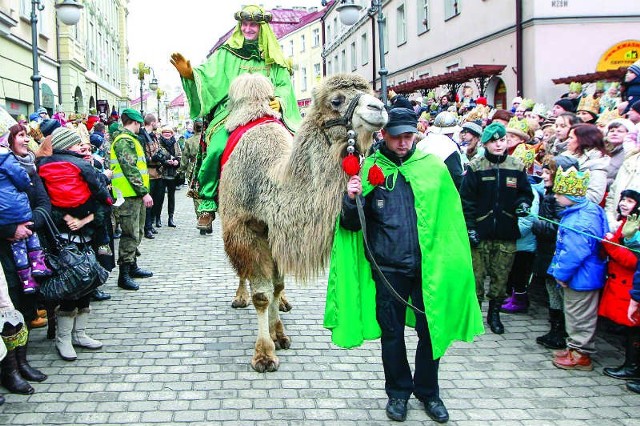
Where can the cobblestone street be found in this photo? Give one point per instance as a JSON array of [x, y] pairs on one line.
[[176, 352]]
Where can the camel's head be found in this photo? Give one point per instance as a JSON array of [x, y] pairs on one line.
[[249, 96], [345, 100]]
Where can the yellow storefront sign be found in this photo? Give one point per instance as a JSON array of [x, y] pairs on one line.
[[619, 55]]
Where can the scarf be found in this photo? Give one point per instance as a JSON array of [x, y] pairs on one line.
[[28, 162]]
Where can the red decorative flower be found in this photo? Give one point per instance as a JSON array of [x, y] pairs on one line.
[[351, 165], [375, 177]]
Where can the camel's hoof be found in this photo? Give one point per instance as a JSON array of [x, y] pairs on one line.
[[239, 303], [285, 306], [265, 365], [282, 342]]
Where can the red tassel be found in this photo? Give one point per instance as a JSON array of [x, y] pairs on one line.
[[375, 177], [351, 165]]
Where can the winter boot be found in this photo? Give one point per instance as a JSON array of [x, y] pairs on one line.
[[137, 272], [38, 266], [555, 338], [125, 281], [493, 317], [519, 303], [9, 374], [634, 386], [630, 370], [26, 371], [170, 222], [79, 336], [158, 222], [29, 284], [64, 327]]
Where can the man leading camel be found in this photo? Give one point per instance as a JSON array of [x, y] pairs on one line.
[[252, 47]]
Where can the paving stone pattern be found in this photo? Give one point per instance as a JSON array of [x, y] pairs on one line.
[[175, 352]]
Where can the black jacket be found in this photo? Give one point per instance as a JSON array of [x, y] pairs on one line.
[[492, 188], [391, 218]]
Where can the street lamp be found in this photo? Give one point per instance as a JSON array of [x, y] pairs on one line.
[[68, 12], [349, 14], [141, 71]]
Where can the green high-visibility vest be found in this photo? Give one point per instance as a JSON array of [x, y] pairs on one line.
[[119, 181]]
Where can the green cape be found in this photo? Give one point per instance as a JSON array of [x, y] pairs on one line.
[[448, 284]]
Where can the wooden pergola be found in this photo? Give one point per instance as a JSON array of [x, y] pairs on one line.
[[592, 77], [479, 74]]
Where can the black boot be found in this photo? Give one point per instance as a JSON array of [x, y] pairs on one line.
[[158, 223], [171, 223], [10, 376], [634, 386], [555, 338], [26, 371], [630, 370], [124, 279], [1, 399], [137, 272], [493, 317]]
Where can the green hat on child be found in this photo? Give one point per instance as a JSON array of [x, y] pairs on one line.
[[493, 131]]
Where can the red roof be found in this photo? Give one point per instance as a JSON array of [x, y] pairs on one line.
[[178, 101], [458, 76], [145, 96], [609, 75], [284, 21]]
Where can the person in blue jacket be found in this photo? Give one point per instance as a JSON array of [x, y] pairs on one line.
[[577, 267], [630, 232]]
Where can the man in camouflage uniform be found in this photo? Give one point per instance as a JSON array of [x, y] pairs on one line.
[[189, 157], [131, 181], [495, 191]]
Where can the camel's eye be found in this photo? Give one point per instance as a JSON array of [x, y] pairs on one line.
[[337, 101]]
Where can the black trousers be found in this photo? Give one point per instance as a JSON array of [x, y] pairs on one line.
[[170, 184], [156, 190], [391, 316], [520, 273]]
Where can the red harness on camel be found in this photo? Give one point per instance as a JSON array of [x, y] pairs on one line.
[[237, 134]]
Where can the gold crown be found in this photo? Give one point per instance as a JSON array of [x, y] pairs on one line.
[[527, 103], [590, 104], [479, 112], [607, 116], [519, 127], [526, 154], [575, 86], [571, 182]]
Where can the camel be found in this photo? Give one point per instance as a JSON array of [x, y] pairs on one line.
[[280, 197]]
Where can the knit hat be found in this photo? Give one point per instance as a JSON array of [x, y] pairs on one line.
[[502, 114], [636, 106], [634, 195], [473, 128], [566, 104], [493, 131], [627, 124], [64, 138], [48, 126], [635, 68]]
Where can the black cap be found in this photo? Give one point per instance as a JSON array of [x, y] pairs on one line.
[[48, 126], [566, 104], [401, 120]]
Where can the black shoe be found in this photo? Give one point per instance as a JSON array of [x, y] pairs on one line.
[[149, 235], [209, 230], [203, 232], [124, 279], [170, 222], [624, 372], [436, 410], [137, 272], [493, 317], [397, 409], [158, 223], [99, 295], [634, 386], [154, 230]]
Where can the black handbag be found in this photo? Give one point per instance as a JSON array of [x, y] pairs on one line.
[[76, 272]]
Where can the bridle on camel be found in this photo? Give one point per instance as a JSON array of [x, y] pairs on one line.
[[345, 121]]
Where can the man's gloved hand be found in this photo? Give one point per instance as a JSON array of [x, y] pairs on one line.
[[631, 226], [274, 104], [182, 65], [523, 210], [474, 238]]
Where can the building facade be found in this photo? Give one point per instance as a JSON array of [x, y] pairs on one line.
[[82, 66], [536, 41]]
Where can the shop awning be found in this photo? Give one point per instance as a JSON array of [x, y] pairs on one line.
[[592, 77], [481, 73]]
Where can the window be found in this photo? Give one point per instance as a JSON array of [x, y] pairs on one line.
[[303, 79], [329, 34], [316, 37], [317, 71], [401, 26], [303, 44], [290, 48], [343, 57], [354, 59], [336, 64], [423, 16], [336, 27], [330, 66], [385, 32], [451, 8], [364, 49]]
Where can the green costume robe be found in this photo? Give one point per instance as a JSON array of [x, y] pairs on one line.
[[208, 92], [448, 285]]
